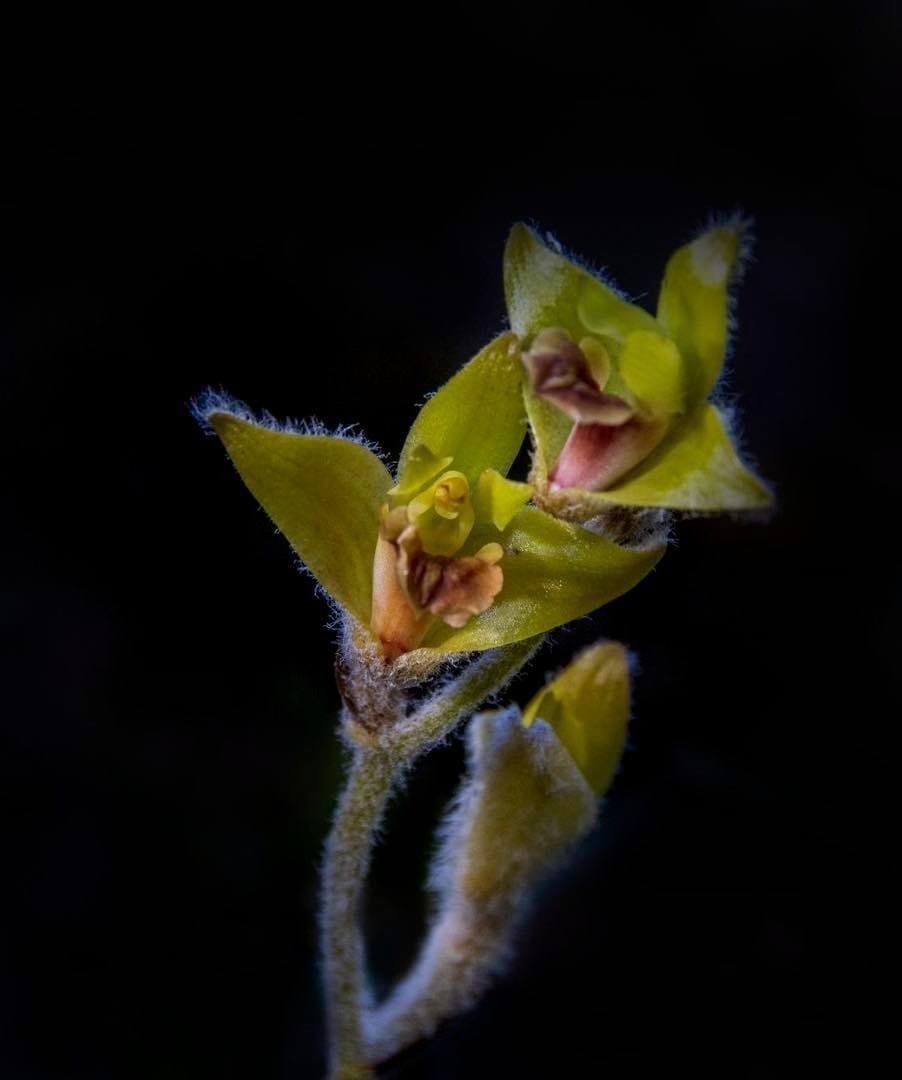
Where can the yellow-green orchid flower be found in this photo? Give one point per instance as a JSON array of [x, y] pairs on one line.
[[447, 558], [617, 397]]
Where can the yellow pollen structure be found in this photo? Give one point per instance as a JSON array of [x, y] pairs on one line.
[[420, 573], [451, 493], [443, 514]]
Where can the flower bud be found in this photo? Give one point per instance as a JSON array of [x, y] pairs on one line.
[[527, 801], [587, 705], [535, 780], [531, 792]]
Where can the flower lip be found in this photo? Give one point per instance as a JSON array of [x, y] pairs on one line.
[[561, 373], [610, 435], [596, 456], [453, 589]]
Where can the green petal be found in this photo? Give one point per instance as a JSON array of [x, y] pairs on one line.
[[588, 707], [323, 493], [651, 366], [551, 428], [477, 417], [421, 467], [693, 304], [498, 500], [553, 572], [545, 289], [695, 468]]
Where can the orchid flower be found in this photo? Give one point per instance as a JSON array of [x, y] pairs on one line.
[[446, 557], [618, 399]]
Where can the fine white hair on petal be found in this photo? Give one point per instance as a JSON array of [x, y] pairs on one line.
[[601, 273], [212, 401], [744, 225], [633, 663], [553, 273], [730, 414], [552, 241]]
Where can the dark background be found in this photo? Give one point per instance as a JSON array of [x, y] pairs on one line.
[[314, 221]]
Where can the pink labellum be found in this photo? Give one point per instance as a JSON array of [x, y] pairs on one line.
[[595, 456]]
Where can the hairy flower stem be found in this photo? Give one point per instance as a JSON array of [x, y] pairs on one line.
[[437, 718], [344, 876], [461, 952], [354, 831]]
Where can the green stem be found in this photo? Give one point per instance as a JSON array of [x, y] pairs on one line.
[[344, 876], [353, 833], [434, 721], [461, 952]]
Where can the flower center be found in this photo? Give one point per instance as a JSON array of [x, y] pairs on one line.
[[419, 573], [451, 494], [443, 514]]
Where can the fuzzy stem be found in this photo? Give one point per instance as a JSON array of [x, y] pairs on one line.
[[353, 833], [438, 717], [344, 875], [463, 949]]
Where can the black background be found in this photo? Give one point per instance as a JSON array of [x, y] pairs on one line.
[[313, 219]]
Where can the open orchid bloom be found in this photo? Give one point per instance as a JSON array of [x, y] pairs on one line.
[[448, 557], [618, 398]]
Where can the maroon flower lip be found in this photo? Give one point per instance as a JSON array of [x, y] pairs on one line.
[[608, 438], [596, 456], [561, 374]]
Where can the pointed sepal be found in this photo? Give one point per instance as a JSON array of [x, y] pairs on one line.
[[545, 289], [323, 493], [587, 705], [475, 421], [696, 469], [694, 302]]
